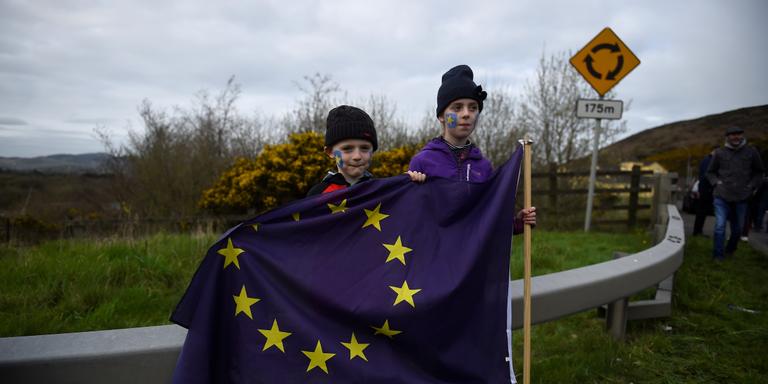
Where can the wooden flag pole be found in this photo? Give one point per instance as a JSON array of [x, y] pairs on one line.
[[527, 263]]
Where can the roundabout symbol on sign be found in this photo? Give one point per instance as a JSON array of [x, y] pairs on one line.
[[613, 48]]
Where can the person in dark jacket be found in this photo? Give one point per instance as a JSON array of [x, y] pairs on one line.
[[452, 155], [736, 172], [704, 201], [350, 139], [755, 212], [761, 199]]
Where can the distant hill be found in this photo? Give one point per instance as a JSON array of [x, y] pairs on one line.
[[88, 162], [687, 138]]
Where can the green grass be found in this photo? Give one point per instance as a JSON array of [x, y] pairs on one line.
[[703, 342], [559, 251], [81, 285], [78, 285]]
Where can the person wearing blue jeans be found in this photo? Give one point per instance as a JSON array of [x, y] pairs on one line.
[[735, 212], [736, 171]]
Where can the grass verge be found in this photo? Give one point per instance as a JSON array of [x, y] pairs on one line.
[[81, 285], [708, 339]]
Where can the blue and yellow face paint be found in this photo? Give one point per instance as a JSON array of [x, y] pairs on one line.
[[451, 120], [339, 161]]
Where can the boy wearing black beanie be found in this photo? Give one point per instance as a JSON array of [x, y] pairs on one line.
[[451, 155], [350, 139]]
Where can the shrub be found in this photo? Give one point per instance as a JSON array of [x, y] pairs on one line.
[[285, 172]]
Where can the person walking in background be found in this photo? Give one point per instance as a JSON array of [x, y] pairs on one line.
[[762, 207], [704, 205], [757, 206], [758, 202], [735, 172]]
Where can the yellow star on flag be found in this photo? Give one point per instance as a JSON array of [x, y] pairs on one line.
[[450, 119], [385, 330], [397, 251], [338, 208], [317, 358], [244, 303], [296, 216], [405, 294], [374, 217], [274, 337], [256, 226], [355, 348], [230, 254]]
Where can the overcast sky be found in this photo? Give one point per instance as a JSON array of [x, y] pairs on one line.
[[69, 66]]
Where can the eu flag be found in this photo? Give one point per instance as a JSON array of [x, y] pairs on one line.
[[388, 281]]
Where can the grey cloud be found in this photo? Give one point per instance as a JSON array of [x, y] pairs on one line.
[[77, 64], [11, 121], [90, 121]]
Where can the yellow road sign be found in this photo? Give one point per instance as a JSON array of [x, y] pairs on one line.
[[604, 61]]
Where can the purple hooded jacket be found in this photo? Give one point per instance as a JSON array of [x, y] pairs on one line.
[[437, 159]]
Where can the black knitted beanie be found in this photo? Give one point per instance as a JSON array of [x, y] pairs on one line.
[[347, 122], [458, 84]]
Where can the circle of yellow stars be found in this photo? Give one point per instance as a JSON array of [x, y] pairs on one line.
[[318, 358]]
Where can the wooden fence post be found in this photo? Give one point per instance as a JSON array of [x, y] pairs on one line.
[[553, 211], [7, 229], [634, 192], [656, 199], [662, 195]]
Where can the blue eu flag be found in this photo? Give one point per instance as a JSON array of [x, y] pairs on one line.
[[388, 281]]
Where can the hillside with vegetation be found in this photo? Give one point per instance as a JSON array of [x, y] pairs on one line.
[[673, 144]]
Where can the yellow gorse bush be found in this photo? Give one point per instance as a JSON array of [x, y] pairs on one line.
[[393, 162], [285, 172]]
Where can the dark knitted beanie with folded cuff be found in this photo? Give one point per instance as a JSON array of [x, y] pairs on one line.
[[347, 122], [457, 84]]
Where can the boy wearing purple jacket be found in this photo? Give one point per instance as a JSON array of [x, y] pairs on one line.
[[452, 155]]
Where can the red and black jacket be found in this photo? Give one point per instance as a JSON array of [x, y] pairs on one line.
[[334, 181]]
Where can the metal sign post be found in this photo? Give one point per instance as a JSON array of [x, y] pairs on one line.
[[603, 62], [592, 176]]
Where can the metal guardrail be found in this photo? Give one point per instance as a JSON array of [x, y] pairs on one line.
[[120, 356], [564, 293], [148, 355]]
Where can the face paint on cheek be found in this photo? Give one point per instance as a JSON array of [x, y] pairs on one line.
[[451, 119], [339, 161]]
